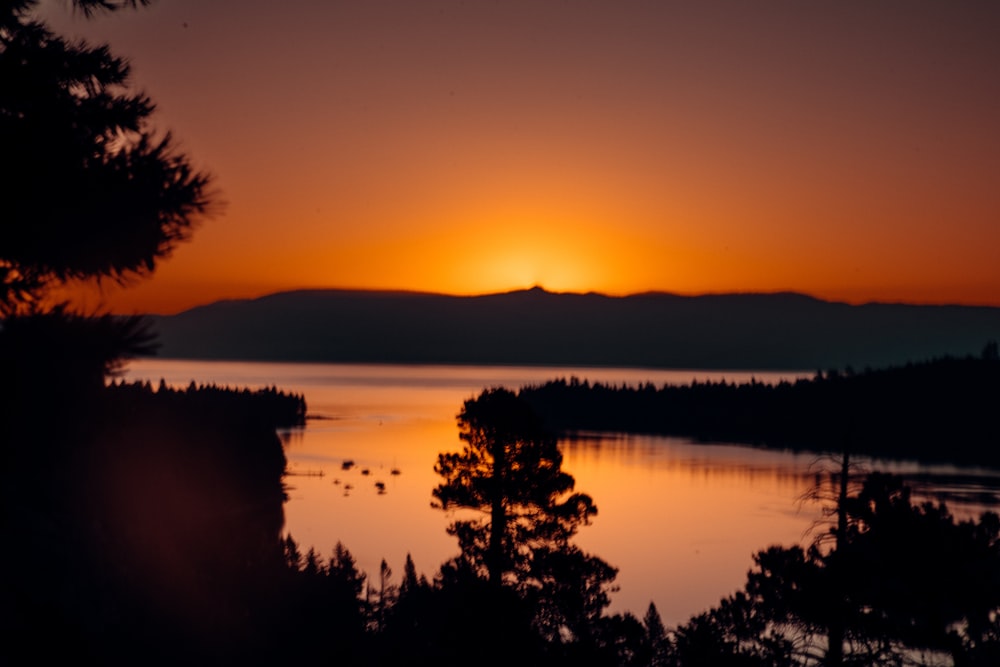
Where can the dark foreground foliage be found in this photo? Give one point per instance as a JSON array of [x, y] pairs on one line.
[[90, 189], [145, 527], [898, 584], [138, 523], [937, 410], [891, 583]]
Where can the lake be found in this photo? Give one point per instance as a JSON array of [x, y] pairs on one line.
[[681, 520]]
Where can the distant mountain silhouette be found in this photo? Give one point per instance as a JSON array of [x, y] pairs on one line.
[[536, 327]]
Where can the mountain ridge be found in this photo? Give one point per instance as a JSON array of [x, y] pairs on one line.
[[755, 330]]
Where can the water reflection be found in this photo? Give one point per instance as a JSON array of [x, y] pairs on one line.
[[667, 453], [679, 519], [968, 492]]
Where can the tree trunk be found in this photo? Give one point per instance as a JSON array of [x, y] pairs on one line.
[[836, 630], [498, 517]]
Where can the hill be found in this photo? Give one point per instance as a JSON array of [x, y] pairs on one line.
[[536, 327]]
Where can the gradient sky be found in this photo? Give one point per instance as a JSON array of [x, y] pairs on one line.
[[850, 150]]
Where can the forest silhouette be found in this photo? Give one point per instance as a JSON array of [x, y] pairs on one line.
[[942, 410], [145, 524]]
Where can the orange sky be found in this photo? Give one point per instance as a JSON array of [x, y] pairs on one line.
[[850, 150]]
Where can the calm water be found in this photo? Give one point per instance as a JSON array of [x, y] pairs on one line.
[[680, 520]]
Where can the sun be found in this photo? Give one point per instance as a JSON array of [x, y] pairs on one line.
[[527, 255], [557, 271]]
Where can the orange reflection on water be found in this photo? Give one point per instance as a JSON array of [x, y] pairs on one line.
[[329, 502], [680, 520]]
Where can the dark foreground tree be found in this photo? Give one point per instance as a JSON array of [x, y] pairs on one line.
[[153, 526], [510, 472], [523, 513], [904, 584], [89, 189]]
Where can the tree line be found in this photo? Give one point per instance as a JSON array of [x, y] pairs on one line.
[[939, 410], [275, 407]]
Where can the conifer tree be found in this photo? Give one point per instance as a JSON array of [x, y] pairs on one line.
[[90, 190], [510, 472]]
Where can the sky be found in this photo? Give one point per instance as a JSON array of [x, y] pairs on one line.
[[849, 150]]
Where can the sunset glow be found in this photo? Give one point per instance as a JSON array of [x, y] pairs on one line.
[[469, 147]]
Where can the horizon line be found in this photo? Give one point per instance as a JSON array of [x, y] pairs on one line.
[[538, 288]]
